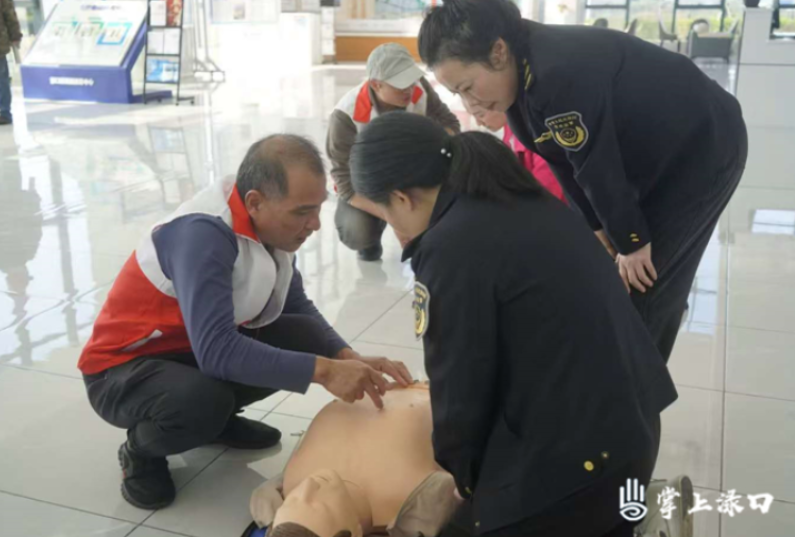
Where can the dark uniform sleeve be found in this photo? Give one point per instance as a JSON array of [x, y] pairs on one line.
[[461, 361], [582, 123]]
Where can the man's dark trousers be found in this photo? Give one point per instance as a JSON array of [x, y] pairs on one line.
[[169, 406]]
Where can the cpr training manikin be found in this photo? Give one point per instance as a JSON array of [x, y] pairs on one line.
[[363, 471]]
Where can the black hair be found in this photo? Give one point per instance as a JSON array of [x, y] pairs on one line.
[[264, 167], [466, 30], [289, 529], [400, 150]]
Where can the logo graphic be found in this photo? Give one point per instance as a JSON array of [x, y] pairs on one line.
[[633, 498], [568, 130], [422, 300]]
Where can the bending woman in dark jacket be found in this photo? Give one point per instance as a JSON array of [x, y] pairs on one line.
[[546, 388]]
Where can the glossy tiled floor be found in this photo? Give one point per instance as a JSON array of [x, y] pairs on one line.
[[81, 183]]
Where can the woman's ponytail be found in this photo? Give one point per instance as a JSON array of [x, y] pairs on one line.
[[484, 167]]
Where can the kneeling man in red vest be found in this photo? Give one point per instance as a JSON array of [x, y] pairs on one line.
[[209, 315]]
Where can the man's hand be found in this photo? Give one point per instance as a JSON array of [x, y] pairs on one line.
[[16, 43], [637, 270], [350, 380], [397, 370], [602, 236]]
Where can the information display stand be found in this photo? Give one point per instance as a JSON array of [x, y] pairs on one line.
[[163, 51], [86, 52]]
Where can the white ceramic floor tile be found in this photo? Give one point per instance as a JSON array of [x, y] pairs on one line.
[[762, 229], [707, 301], [715, 261], [692, 430], [769, 152], [324, 256], [699, 355], [764, 306], [761, 363], [56, 449], [25, 517], [143, 531], [304, 405], [779, 521], [79, 274], [764, 258], [215, 504], [268, 404], [396, 327], [16, 308], [351, 305], [51, 341], [759, 455], [758, 212]]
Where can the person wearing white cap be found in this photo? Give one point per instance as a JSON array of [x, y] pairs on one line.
[[394, 82]]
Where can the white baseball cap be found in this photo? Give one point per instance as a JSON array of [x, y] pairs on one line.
[[392, 63]]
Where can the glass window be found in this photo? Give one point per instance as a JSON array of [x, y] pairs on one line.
[[686, 17], [787, 18], [590, 3], [685, 3], [616, 18], [648, 13]]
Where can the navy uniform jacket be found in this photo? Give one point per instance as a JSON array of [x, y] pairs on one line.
[[631, 130], [542, 374]]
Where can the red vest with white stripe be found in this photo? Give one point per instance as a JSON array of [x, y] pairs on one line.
[[358, 104], [141, 315]]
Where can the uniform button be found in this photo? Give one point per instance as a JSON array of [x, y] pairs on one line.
[[468, 491], [477, 524], [605, 455], [589, 466]]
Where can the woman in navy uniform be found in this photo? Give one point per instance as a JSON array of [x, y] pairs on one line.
[[546, 388], [647, 147]]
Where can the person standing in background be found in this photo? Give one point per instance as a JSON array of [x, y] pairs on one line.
[[10, 36], [394, 83]]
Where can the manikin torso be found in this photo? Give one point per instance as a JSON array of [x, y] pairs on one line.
[[381, 456]]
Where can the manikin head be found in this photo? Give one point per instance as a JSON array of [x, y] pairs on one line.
[[469, 45], [321, 505], [282, 183], [392, 75], [401, 161]]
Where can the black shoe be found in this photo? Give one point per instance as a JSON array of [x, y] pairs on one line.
[[5, 121], [147, 482], [373, 253], [243, 433]]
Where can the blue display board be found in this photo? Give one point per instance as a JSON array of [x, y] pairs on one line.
[[86, 52]]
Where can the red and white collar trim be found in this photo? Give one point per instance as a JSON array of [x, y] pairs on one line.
[[241, 221], [363, 111]]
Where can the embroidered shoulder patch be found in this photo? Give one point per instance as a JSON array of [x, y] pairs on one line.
[[568, 130], [422, 300]]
